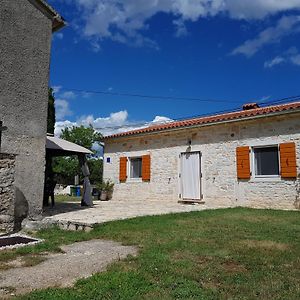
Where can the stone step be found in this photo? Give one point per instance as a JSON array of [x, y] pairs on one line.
[[48, 223], [75, 226]]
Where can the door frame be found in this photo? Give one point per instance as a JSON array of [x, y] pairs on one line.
[[200, 175]]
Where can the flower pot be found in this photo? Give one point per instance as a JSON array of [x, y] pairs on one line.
[[103, 196], [109, 195]]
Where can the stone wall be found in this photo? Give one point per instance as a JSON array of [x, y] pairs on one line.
[[217, 144], [7, 192], [25, 35]]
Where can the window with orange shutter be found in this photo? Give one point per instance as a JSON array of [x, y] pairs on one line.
[[146, 168], [269, 161], [243, 162], [288, 164], [135, 168], [123, 169]]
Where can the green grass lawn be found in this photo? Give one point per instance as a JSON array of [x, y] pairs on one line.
[[66, 198], [217, 254]]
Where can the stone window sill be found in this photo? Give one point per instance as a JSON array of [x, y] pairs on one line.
[[266, 179], [134, 180]]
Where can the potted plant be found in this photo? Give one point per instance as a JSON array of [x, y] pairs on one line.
[[107, 188]]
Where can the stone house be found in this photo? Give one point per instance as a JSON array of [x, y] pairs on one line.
[[248, 158], [26, 28]]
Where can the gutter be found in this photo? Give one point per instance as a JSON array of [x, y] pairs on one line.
[[203, 125]]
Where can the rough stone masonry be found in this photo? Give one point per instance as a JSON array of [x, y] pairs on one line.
[[7, 193], [217, 144]]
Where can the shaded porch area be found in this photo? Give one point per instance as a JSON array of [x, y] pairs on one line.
[[56, 147]]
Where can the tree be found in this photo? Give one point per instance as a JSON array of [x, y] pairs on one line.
[[51, 112], [68, 167], [65, 168], [96, 170], [83, 136]]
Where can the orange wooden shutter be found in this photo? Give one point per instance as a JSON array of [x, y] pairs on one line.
[[288, 160], [146, 168], [123, 169], [243, 162]]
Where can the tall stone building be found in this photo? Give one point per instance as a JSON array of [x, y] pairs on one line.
[[26, 28]]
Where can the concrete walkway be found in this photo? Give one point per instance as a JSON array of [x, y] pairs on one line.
[[79, 260], [72, 216]]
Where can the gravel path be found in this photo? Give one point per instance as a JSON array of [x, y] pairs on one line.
[[80, 260]]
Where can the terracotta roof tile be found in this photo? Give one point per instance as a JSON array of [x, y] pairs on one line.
[[237, 115]]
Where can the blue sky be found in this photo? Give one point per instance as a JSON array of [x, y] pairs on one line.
[[230, 50]]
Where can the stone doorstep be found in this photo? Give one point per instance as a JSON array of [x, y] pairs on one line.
[[191, 201]]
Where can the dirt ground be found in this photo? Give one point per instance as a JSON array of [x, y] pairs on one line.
[[79, 260]]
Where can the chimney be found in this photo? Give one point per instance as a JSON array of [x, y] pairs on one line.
[[248, 106]]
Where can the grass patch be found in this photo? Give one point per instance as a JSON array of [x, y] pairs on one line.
[[67, 198], [218, 254], [22, 260], [33, 260]]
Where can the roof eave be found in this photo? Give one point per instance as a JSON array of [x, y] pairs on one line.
[[57, 25], [202, 125], [57, 20]]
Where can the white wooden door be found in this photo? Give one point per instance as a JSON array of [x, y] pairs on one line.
[[191, 176]]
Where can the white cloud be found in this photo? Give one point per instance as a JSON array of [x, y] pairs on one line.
[[114, 119], [60, 125], [295, 59], [105, 125], [275, 61], [62, 109], [291, 56], [68, 95], [62, 106], [258, 9], [181, 29], [86, 95], [161, 119], [115, 123], [284, 27], [126, 21], [264, 98], [58, 36], [56, 88]]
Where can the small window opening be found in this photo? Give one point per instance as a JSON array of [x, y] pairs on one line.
[[136, 167], [266, 161]]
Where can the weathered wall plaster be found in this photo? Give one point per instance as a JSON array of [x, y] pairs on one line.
[[25, 35]]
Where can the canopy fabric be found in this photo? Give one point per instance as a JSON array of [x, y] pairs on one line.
[[60, 147]]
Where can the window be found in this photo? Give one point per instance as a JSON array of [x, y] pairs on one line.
[[266, 161], [136, 167]]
